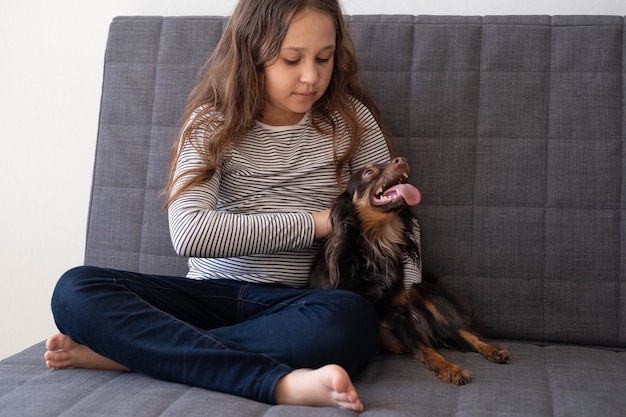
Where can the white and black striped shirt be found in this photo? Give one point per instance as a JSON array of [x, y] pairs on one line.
[[251, 221]]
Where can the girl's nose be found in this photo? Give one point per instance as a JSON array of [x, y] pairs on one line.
[[310, 74]]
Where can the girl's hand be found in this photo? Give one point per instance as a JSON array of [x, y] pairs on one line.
[[322, 224]]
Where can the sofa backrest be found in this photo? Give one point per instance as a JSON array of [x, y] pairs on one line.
[[513, 126]]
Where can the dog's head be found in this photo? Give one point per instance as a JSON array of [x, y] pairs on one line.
[[383, 188], [376, 204]]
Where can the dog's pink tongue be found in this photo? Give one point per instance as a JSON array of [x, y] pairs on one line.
[[411, 195]]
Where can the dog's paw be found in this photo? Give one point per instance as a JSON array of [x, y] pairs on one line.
[[498, 354], [454, 374]]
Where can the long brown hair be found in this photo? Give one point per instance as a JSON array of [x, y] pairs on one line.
[[230, 97]]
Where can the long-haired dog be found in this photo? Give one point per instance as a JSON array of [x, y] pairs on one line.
[[373, 233]]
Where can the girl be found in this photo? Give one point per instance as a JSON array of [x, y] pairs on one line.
[[273, 130]]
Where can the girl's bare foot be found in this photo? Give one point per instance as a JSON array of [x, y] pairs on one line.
[[328, 386], [64, 353]]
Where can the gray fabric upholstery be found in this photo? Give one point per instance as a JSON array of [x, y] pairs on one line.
[[514, 128], [559, 381]]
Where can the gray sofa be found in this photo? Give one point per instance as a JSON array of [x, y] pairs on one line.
[[515, 129]]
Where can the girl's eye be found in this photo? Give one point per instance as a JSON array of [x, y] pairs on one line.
[[297, 61]]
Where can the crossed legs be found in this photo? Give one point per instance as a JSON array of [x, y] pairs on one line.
[[304, 380]]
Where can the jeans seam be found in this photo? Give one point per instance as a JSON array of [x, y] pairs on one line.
[[241, 302]]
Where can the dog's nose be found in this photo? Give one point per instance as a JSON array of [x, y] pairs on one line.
[[398, 160]]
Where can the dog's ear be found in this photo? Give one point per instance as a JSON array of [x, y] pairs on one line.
[[341, 211], [342, 220]]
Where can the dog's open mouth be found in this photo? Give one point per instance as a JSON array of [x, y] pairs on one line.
[[398, 188]]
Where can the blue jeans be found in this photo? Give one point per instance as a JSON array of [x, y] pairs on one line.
[[223, 335]]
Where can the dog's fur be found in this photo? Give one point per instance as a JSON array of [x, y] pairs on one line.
[[372, 235]]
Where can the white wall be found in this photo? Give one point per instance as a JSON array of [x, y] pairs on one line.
[[51, 54]]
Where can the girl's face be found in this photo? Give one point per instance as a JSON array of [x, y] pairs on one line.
[[303, 69]]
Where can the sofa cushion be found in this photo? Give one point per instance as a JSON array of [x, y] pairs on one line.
[[558, 381]]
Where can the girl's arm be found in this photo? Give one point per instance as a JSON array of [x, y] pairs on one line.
[[198, 229], [373, 147], [412, 267]]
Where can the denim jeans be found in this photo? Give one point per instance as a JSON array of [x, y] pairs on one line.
[[222, 335]]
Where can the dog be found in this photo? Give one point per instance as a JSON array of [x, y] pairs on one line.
[[373, 232]]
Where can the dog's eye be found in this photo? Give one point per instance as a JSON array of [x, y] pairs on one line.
[[368, 172]]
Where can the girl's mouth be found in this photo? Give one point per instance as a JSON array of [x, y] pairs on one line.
[[305, 95]]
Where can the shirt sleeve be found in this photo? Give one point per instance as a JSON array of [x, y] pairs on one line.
[[198, 229], [412, 267], [373, 147]]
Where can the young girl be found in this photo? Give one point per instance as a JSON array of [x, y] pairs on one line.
[[273, 131]]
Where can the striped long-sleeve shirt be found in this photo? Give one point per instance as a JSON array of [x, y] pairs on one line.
[[252, 220]]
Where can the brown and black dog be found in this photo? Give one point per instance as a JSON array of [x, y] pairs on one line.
[[373, 232]]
